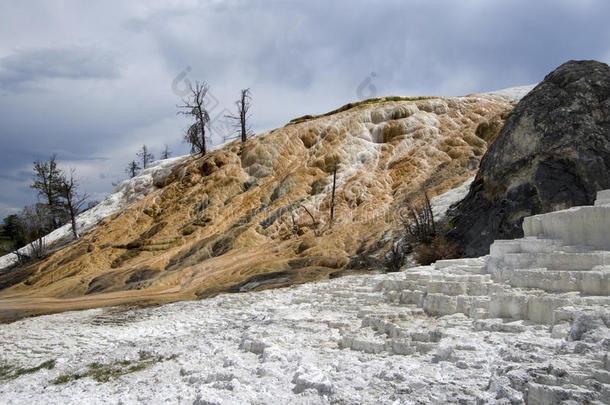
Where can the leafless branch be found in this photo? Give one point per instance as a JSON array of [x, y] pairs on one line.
[[243, 115], [68, 190], [194, 106]]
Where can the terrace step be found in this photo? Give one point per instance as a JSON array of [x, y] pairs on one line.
[[557, 260], [603, 197], [587, 225], [585, 282], [525, 245], [471, 262]]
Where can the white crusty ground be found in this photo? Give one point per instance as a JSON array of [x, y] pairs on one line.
[[441, 203], [286, 346], [278, 346], [514, 94]]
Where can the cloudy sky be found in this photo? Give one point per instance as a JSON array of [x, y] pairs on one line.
[[93, 81]]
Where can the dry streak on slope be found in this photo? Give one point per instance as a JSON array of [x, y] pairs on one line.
[[224, 222]]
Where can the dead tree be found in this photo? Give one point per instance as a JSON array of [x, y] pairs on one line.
[[332, 200], [295, 227], [396, 256], [46, 179], [314, 223], [194, 106], [145, 156], [241, 118], [35, 221], [419, 224], [166, 153], [72, 201], [132, 169]]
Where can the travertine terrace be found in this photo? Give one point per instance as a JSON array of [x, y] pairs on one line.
[[239, 218], [527, 324]]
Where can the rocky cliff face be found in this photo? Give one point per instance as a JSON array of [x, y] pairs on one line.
[[256, 215], [553, 152]]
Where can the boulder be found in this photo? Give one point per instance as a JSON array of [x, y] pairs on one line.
[[552, 153]]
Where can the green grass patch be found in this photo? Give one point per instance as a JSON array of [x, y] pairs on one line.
[[105, 372], [9, 372], [349, 106]]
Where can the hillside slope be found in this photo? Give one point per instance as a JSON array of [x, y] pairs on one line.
[[256, 215]]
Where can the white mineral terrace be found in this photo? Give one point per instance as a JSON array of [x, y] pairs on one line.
[[527, 324]]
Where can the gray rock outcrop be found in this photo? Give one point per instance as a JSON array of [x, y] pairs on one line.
[[552, 153]]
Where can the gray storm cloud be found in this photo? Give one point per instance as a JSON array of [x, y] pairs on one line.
[[93, 81]]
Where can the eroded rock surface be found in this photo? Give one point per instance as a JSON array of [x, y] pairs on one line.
[[552, 153]]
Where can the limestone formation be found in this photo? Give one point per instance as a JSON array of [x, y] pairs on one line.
[[528, 324], [552, 153], [256, 215], [552, 276]]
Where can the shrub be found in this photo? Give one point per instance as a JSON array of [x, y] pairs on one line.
[[364, 261], [425, 235], [418, 223], [437, 249], [38, 249], [396, 256]]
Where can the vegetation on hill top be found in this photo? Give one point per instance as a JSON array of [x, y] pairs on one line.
[[349, 106]]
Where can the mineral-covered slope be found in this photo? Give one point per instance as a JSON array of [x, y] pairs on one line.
[[256, 215], [124, 194]]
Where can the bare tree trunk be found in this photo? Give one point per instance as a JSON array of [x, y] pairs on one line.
[[73, 219], [69, 191], [242, 115], [22, 258], [241, 118], [201, 114], [202, 124], [314, 223], [38, 248], [294, 225], [430, 214], [45, 182], [194, 107], [70, 206], [146, 156], [74, 229], [244, 134], [332, 200]]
